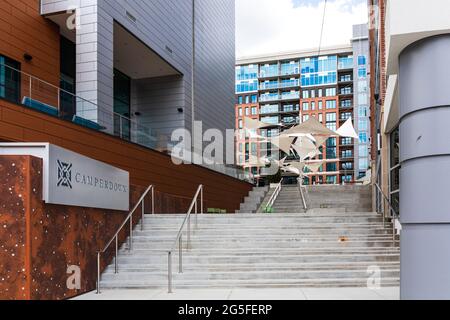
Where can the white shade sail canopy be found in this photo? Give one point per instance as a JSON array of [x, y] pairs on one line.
[[347, 130]]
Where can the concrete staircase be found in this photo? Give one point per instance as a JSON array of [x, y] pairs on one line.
[[348, 198], [324, 198], [289, 200], [253, 201], [261, 251]]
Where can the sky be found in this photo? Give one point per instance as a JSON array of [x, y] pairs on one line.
[[271, 26]]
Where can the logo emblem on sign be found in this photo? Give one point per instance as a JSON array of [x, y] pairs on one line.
[[64, 174]]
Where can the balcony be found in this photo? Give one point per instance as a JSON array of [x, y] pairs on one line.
[[268, 85], [290, 69], [269, 97], [269, 71], [345, 63], [290, 96]]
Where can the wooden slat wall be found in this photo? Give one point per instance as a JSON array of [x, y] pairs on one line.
[[146, 167], [23, 30]]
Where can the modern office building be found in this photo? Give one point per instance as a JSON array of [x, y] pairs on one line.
[[287, 89], [410, 103], [107, 80]]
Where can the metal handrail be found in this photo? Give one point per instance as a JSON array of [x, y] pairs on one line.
[[129, 218], [274, 195], [300, 186], [395, 214], [179, 239]]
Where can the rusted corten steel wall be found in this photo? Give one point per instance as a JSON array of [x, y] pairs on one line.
[[38, 242]]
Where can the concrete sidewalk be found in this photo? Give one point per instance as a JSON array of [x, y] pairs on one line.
[[391, 293]]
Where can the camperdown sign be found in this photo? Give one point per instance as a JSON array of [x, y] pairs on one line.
[[75, 180]]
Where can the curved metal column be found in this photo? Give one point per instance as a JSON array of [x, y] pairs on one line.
[[424, 88]]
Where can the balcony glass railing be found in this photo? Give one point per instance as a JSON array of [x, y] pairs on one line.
[[290, 95], [345, 63], [268, 85], [269, 97], [41, 96], [269, 109], [269, 71], [290, 83], [289, 69]]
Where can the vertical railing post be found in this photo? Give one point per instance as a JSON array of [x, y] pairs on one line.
[[143, 214], [153, 200], [98, 272], [180, 253], [120, 125], [169, 271], [117, 255], [201, 201], [189, 232], [131, 233]]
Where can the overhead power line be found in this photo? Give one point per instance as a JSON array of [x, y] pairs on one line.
[[323, 25]]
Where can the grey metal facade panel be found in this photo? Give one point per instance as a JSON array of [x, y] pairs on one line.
[[215, 59], [424, 190], [425, 261], [425, 133], [163, 24], [424, 72]]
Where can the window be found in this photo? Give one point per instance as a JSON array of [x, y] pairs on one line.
[[313, 93], [331, 167], [363, 152], [240, 124], [305, 106], [363, 111], [331, 117], [254, 111], [331, 153], [361, 60], [331, 142], [347, 154], [313, 105], [363, 137], [321, 117], [362, 73], [320, 105], [305, 117], [269, 108], [330, 92], [240, 100], [305, 94], [254, 149], [122, 105], [254, 98], [331, 179], [364, 164], [363, 125], [247, 99], [240, 112], [331, 104], [320, 93], [9, 79]]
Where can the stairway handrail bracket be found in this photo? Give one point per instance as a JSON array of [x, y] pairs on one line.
[[128, 219], [179, 238]]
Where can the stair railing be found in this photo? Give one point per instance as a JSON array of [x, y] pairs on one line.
[[302, 193], [274, 196], [129, 218], [394, 215], [179, 239]]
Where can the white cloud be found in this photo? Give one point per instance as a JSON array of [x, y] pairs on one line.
[[270, 26]]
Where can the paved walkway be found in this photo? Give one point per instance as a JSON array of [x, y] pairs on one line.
[[249, 294]]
